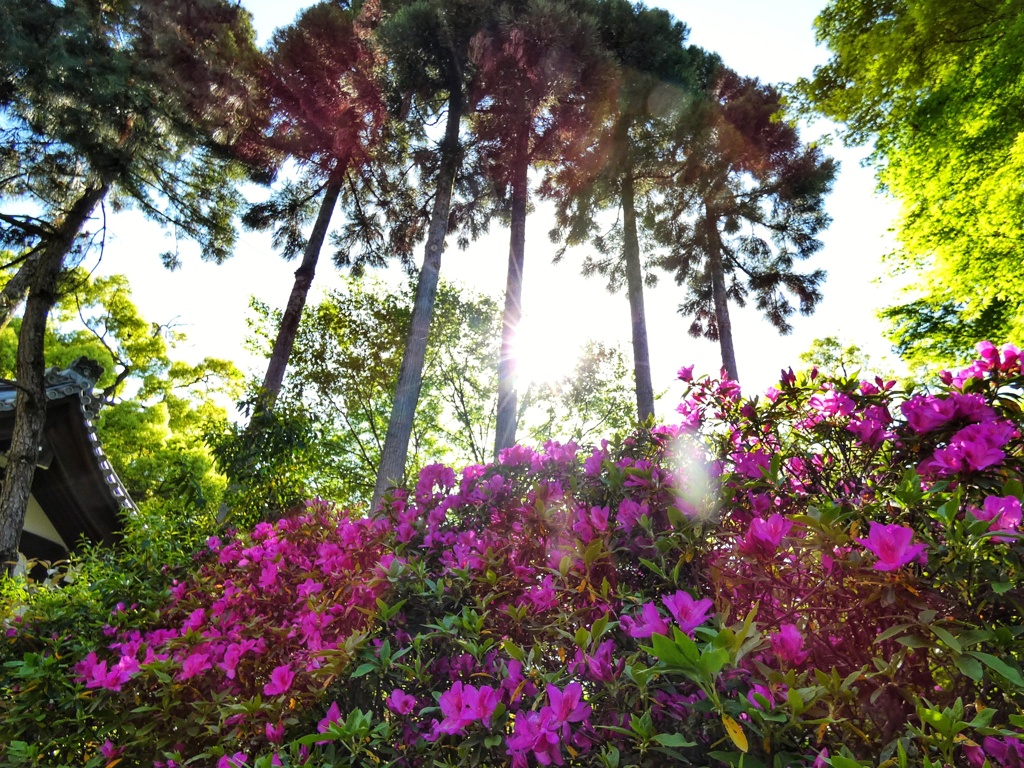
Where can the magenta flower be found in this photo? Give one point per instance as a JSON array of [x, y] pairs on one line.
[[481, 703], [453, 708], [765, 536], [541, 596], [972, 449], [925, 413], [892, 545], [195, 664], [788, 645], [688, 613], [1003, 514], [599, 665], [109, 751], [237, 760], [753, 464], [333, 716], [463, 705], [870, 426], [274, 733], [759, 690], [649, 623], [685, 373], [309, 587], [567, 706], [535, 732], [630, 513], [280, 681], [401, 703]]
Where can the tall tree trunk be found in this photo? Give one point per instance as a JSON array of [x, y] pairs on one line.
[[718, 293], [635, 291], [410, 374], [507, 414], [15, 289], [30, 401], [297, 299]]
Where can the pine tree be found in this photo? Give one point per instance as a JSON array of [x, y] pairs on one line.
[[543, 81], [624, 168], [428, 47], [136, 99], [326, 113], [747, 203]]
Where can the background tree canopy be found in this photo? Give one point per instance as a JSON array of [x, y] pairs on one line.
[[936, 85]]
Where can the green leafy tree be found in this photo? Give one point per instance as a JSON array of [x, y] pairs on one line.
[[134, 99], [332, 415], [832, 357], [594, 400], [934, 86], [657, 75], [747, 204]]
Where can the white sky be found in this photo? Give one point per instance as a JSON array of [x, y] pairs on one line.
[[773, 41]]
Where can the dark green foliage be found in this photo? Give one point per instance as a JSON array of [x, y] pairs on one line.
[[749, 204]]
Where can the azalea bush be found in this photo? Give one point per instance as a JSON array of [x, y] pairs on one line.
[[827, 574]]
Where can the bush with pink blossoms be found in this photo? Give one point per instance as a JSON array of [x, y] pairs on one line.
[[826, 575]]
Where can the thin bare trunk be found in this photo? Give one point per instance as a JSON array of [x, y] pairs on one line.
[[30, 401], [297, 299], [505, 422], [635, 291], [410, 374], [719, 295]]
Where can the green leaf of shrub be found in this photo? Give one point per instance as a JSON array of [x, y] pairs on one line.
[[673, 740], [999, 666]]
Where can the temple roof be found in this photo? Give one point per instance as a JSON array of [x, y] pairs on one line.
[[74, 485]]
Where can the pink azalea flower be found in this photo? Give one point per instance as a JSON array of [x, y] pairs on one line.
[[1003, 514], [195, 664], [541, 596], [973, 448], [567, 706], [109, 751], [535, 732], [481, 703], [925, 413], [630, 513], [453, 708], [650, 622], [688, 613], [275, 733], [753, 464], [788, 645], [765, 536], [599, 665], [400, 702], [764, 693], [333, 716], [892, 545], [309, 587], [280, 681]]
